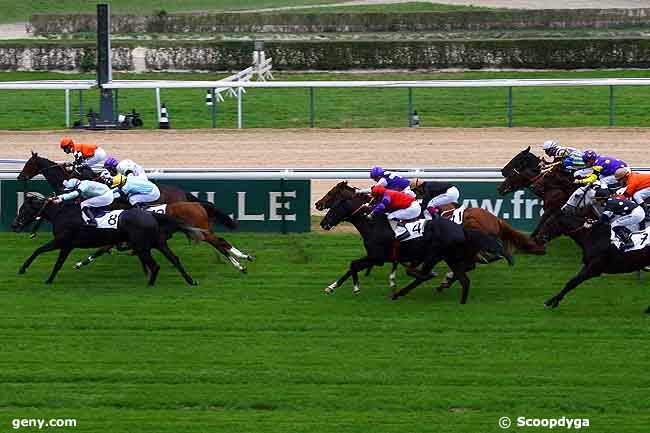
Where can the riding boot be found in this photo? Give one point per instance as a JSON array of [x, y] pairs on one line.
[[624, 235], [88, 211], [646, 209]]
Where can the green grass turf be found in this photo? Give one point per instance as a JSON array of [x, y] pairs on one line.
[[394, 8], [269, 352], [15, 11], [351, 108]]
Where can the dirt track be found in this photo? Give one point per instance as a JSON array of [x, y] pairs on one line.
[[341, 148]]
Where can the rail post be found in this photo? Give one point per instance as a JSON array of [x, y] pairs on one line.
[[611, 106], [239, 108], [509, 107], [282, 197], [311, 107], [81, 107], [410, 107], [214, 108], [67, 108]]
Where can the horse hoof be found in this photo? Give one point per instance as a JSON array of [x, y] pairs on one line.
[[48, 281], [552, 303], [356, 291], [329, 291], [393, 297], [250, 258], [77, 266], [647, 311], [243, 270], [194, 283], [21, 271]]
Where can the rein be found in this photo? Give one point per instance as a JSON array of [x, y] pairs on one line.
[[38, 219]]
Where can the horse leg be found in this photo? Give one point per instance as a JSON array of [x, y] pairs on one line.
[[240, 255], [63, 254], [91, 258], [585, 273], [460, 274], [150, 263], [224, 248], [542, 220], [48, 246], [392, 277], [424, 276], [355, 267], [164, 248]]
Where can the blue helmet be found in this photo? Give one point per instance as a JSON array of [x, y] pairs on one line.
[[568, 162], [589, 155], [376, 172]]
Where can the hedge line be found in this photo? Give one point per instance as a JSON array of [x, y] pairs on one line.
[[348, 22], [220, 56]]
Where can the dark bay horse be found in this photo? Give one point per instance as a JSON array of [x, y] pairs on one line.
[[139, 229], [55, 173], [473, 219], [549, 181], [599, 256], [195, 215], [441, 240]]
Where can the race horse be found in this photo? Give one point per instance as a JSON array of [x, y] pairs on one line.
[[441, 240], [473, 219], [549, 181], [139, 229], [181, 205], [55, 173], [599, 255], [195, 215]]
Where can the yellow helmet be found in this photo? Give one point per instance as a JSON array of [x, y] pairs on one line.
[[118, 181]]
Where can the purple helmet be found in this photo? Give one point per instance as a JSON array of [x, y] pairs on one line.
[[589, 155], [376, 172], [110, 162]]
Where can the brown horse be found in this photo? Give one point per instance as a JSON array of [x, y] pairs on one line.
[[549, 181], [196, 215]]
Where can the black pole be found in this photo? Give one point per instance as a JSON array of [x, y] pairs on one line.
[[104, 71]]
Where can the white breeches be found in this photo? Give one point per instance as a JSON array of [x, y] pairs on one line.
[[449, 196], [145, 198], [582, 197], [411, 212], [630, 221], [408, 191], [97, 158], [641, 195], [606, 181], [98, 201]]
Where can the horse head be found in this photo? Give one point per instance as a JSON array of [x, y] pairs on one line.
[[53, 172], [520, 171], [341, 191], [560, 224], [342, 210], [30, 169], [28, 212]]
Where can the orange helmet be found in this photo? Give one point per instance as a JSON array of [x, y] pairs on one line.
[[66, 142]]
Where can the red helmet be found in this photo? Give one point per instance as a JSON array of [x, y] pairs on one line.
[[378, 190], [66, 142]]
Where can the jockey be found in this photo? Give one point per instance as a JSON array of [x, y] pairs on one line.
[[138, 191], [603, 167], [637, 185], [389, 181], [400, 207], [583, 176], [94, 195], [126, 167], [85, 155], [437, 194], [559, 153], [621, 214]]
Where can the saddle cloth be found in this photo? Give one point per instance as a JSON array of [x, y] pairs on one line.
[[105, 220], [161, 208], [415, 229], [641, 240], [455, 215]]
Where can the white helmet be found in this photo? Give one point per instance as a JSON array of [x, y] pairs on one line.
[[549, 144], [71, 183]]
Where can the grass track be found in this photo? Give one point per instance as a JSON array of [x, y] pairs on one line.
[[346, 108], [269, 352], [13, 11]]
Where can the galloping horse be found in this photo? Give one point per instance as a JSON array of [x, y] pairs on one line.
[[55, 173], [599, 256], [140, 229], [473, 219], [186, 207], [551, 182]]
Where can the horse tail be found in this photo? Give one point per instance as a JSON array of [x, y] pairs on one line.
[[517, 239], [215, 215], [173, 225], [488, 243]]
